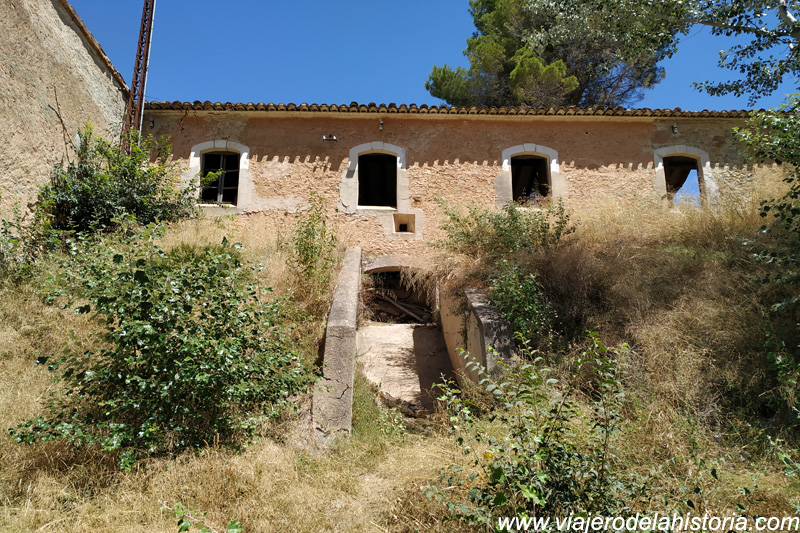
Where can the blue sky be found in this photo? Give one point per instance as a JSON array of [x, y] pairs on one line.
[[334, 52]]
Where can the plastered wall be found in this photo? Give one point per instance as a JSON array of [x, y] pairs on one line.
[[452, 158], [53, 80]]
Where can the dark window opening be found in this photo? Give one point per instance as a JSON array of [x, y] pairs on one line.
[[530, 179], [377, 180], [677, 171], [404, 223], [224, 189]]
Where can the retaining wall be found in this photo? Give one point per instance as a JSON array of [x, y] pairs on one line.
[[332, 410], [471, 323]]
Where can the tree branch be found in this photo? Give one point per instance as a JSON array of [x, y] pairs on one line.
[[790, 20]]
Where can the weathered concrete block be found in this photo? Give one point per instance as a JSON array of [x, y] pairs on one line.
[[332, 411], [495, 331], [474, 325]]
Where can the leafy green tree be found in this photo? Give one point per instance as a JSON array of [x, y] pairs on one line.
[[772, 53], [561, 52]]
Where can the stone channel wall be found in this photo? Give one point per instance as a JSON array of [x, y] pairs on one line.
[[332, 410], [476, 331]]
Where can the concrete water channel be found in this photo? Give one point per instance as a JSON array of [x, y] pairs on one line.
[[397, 344], [400, 348]]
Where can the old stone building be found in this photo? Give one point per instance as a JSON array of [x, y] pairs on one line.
[[54, 78], [378, 168], [382, 167]]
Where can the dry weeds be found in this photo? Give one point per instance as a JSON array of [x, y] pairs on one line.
[[674, 283]]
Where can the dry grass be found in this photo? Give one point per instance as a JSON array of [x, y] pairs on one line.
[[675, 284], [679, 286], [270, 486], [265, 241]]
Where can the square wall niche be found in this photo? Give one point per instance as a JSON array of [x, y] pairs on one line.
[[404, 223]]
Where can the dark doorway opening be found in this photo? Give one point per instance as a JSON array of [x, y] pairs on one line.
[[377, 180], [390, 298], [530, 179]]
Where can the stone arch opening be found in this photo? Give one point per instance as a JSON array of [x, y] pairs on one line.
[[370, 162], [527, 162], [400, 345], [676, 167]]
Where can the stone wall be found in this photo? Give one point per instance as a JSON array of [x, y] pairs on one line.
[[457, 159], [54, 78], [476, 331]]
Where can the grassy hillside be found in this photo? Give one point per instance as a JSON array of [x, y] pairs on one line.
[[698, 403]]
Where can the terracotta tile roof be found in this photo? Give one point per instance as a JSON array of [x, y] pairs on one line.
[[414, 109]]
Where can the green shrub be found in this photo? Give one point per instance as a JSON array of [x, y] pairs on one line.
[[106, 184], [23, 242], [483, 233], [529, 458], [519, 297], [313, 256], [775, 136], [188, 352]]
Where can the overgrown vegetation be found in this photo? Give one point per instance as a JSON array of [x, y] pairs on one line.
[[313, 256], [23, 242], [705, 392], [530, 456], [490, 235], [689, 408], [106, 185], [519, 296], [187, 346], [188, 351]]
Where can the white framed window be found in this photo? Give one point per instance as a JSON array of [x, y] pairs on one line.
[[676, 167], [529, 172], [234, 186], [375, 180]]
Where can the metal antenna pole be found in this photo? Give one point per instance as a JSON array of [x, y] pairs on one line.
[[133, 115]]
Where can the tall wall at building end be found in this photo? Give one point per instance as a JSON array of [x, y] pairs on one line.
[[54, 79]]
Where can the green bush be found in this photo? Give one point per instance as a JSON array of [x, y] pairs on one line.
[[188, 353], [106, 184], [775, 136], [24, 242], [519, 297], [313, 256], [528, 457], [492, 235]]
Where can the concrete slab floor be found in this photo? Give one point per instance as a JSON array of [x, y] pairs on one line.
[[404, 361]]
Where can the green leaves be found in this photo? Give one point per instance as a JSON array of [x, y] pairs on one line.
[[772, 53], [546, 53], [519, 297], [185, 352], [313, 255], [494, 235], [107, 186], [533, 462]]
